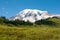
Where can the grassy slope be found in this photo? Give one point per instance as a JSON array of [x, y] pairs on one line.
[[35, 32]]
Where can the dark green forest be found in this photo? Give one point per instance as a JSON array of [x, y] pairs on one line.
[[4, 20]]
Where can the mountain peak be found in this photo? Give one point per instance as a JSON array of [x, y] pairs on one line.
[[32, 10], [32, 15]]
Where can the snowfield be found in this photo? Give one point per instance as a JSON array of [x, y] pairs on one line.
[[32, 15]]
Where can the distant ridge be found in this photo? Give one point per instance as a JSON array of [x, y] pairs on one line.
[[32, 15]]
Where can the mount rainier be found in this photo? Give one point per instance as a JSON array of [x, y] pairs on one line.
[[32, 15]]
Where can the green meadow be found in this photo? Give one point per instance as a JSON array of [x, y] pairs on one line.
[[48, 30]]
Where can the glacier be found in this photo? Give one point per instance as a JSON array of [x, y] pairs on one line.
[[32, 15]]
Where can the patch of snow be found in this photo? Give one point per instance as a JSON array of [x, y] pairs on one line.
[[32, 15]]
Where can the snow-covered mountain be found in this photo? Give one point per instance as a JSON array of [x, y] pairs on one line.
[[31, 15]]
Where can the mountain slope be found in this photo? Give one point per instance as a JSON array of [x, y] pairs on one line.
[[54, 22], [31, 15], [31, 32]]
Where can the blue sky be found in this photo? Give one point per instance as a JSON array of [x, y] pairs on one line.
[[10, 8]]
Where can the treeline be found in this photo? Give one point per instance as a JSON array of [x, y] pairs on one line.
[[17, 22]]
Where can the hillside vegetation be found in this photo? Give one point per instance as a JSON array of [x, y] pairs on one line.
[[19, 30]]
